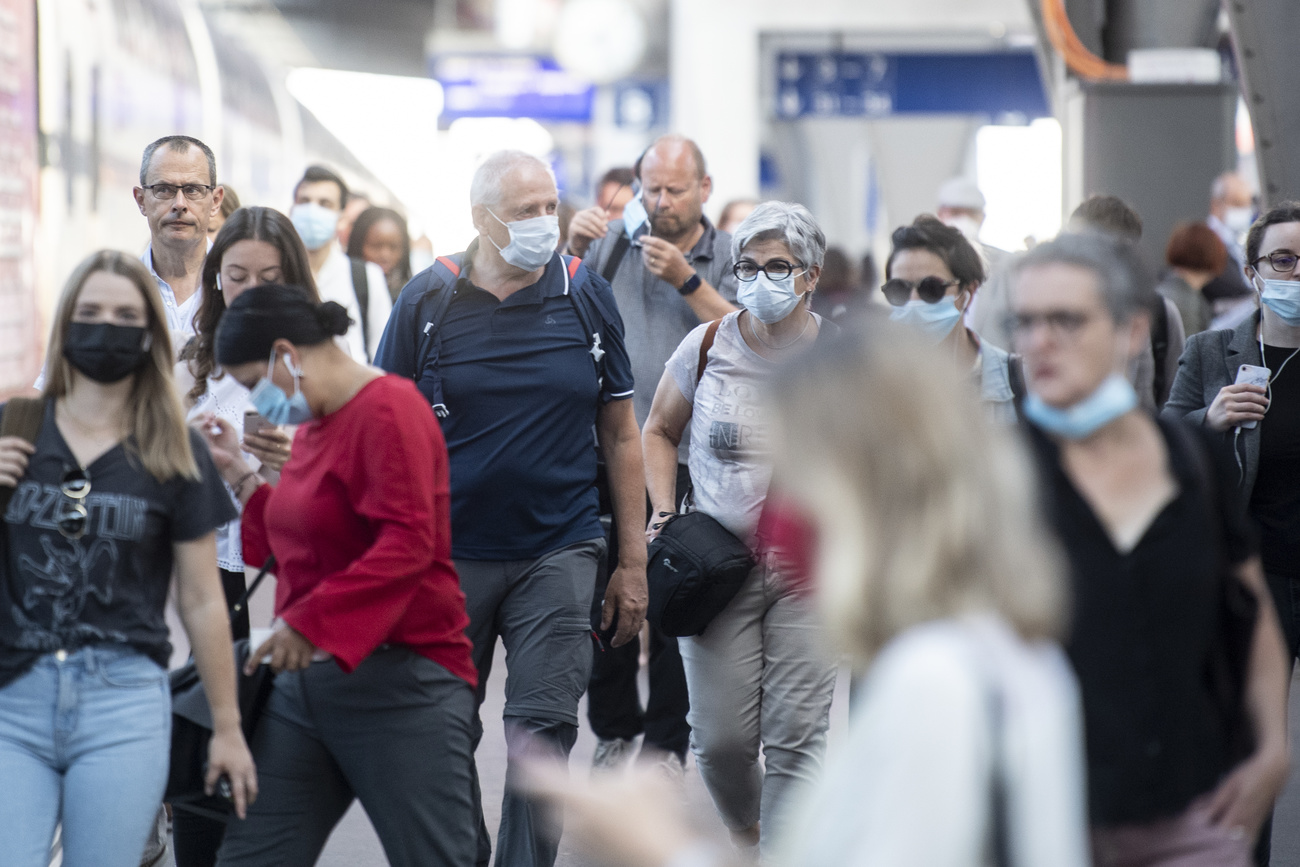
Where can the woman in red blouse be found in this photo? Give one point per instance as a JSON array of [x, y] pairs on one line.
[[374, 693]]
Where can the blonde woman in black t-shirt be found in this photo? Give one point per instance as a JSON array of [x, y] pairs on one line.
[[115, 496]]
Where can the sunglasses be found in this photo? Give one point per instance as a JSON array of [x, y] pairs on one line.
[[74, 517], [930, 289]]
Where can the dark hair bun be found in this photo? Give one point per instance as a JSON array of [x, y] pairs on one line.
[[333, 317]]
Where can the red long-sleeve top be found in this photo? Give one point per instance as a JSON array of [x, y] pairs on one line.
[[360, 525]]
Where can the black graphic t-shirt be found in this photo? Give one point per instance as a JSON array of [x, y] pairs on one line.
[[109, 585]]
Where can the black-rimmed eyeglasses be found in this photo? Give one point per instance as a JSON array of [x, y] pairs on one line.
[[778, 269], [75, 516], [167, 192]]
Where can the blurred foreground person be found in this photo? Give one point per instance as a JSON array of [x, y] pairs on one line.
[[1174, 638], [935, 578], [374, 693], [757, 677], [931, 277], [116, 496]]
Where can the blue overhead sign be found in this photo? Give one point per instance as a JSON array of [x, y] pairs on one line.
[[483, 85], [880, 84]]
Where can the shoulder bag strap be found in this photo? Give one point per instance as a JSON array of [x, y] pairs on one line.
[[615, 257], [705, 345], [238, 607], [361, 288], [22, 418]]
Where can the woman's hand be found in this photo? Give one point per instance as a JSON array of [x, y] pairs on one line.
[[14, 452], [1236, 404], [270, 445], [288, 648], [223, 442], [1245, 797], [656, 525], [228, 755]]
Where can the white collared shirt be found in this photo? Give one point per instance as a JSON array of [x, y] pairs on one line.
[[334, 283], [180, 317]]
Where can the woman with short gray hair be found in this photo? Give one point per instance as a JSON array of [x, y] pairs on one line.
[[757, 677]]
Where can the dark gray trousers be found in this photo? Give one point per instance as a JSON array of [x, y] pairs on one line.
[[396, 733], [541, 611]]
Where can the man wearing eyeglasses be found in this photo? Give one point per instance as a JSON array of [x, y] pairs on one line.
[[670, 269], [178, 194]]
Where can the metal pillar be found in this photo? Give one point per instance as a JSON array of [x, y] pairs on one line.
[[1263, 32]]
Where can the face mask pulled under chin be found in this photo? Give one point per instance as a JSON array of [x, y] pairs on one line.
[[1112, 399], [532, 241]]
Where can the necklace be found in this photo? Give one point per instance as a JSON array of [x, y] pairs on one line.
[[776, 347]]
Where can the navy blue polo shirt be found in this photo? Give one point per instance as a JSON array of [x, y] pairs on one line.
[[522, 394]]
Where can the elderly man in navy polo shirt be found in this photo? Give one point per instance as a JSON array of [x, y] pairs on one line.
[[520, 352]]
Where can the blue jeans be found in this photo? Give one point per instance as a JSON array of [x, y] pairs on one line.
[[85, 739]]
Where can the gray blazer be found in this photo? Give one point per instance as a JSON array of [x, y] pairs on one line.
[[1210, 361]]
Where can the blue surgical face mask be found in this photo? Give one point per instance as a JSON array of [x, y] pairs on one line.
[[532, 241], [1283, 298], [316, 225], [937, 320], [1114, 397], [769, 300], [276, 406], [634, 214]]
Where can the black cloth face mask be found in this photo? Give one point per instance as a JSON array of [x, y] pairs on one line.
[[105, 352]]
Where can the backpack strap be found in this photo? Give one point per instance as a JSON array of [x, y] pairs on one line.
[[22, 417], [705, 345], [433, 308], [588, 313], [361, 288], [1159, 347], [1016, 377]]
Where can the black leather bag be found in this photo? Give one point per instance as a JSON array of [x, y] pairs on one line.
[[192, 722], [694, 570]]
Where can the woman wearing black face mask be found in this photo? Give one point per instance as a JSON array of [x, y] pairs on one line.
[[114, 496]]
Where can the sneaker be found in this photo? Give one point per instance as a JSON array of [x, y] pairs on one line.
[[671, 767], [612, 755]]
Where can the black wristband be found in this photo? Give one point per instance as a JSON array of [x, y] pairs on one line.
[[690, 285]]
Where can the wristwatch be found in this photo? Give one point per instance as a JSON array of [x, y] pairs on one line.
[[690, 285]]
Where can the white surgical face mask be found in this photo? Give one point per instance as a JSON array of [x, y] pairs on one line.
[[1239, 219], [968, 226], [316, 225], [532, 241], [769, 300]]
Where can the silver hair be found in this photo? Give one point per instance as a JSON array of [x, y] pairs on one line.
[[1126, 287], [486, 188], [782, 221]]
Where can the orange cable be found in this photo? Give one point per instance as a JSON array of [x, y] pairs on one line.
[[1076, 55]]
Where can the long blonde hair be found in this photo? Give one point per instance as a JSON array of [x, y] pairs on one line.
[[157, 435], [924, 509]]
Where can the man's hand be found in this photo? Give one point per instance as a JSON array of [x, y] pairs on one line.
[[627, 597], [587, 225], [665, 261], [288, 648]]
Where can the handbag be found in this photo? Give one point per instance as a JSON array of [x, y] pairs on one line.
[[694, 569], [192, 721]]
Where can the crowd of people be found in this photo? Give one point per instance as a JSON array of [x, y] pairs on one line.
[[1037, 503]]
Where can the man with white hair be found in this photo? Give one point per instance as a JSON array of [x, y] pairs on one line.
[[520, 352]]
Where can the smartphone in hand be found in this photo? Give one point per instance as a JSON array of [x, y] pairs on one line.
[[1252, 374], [255, 422]]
